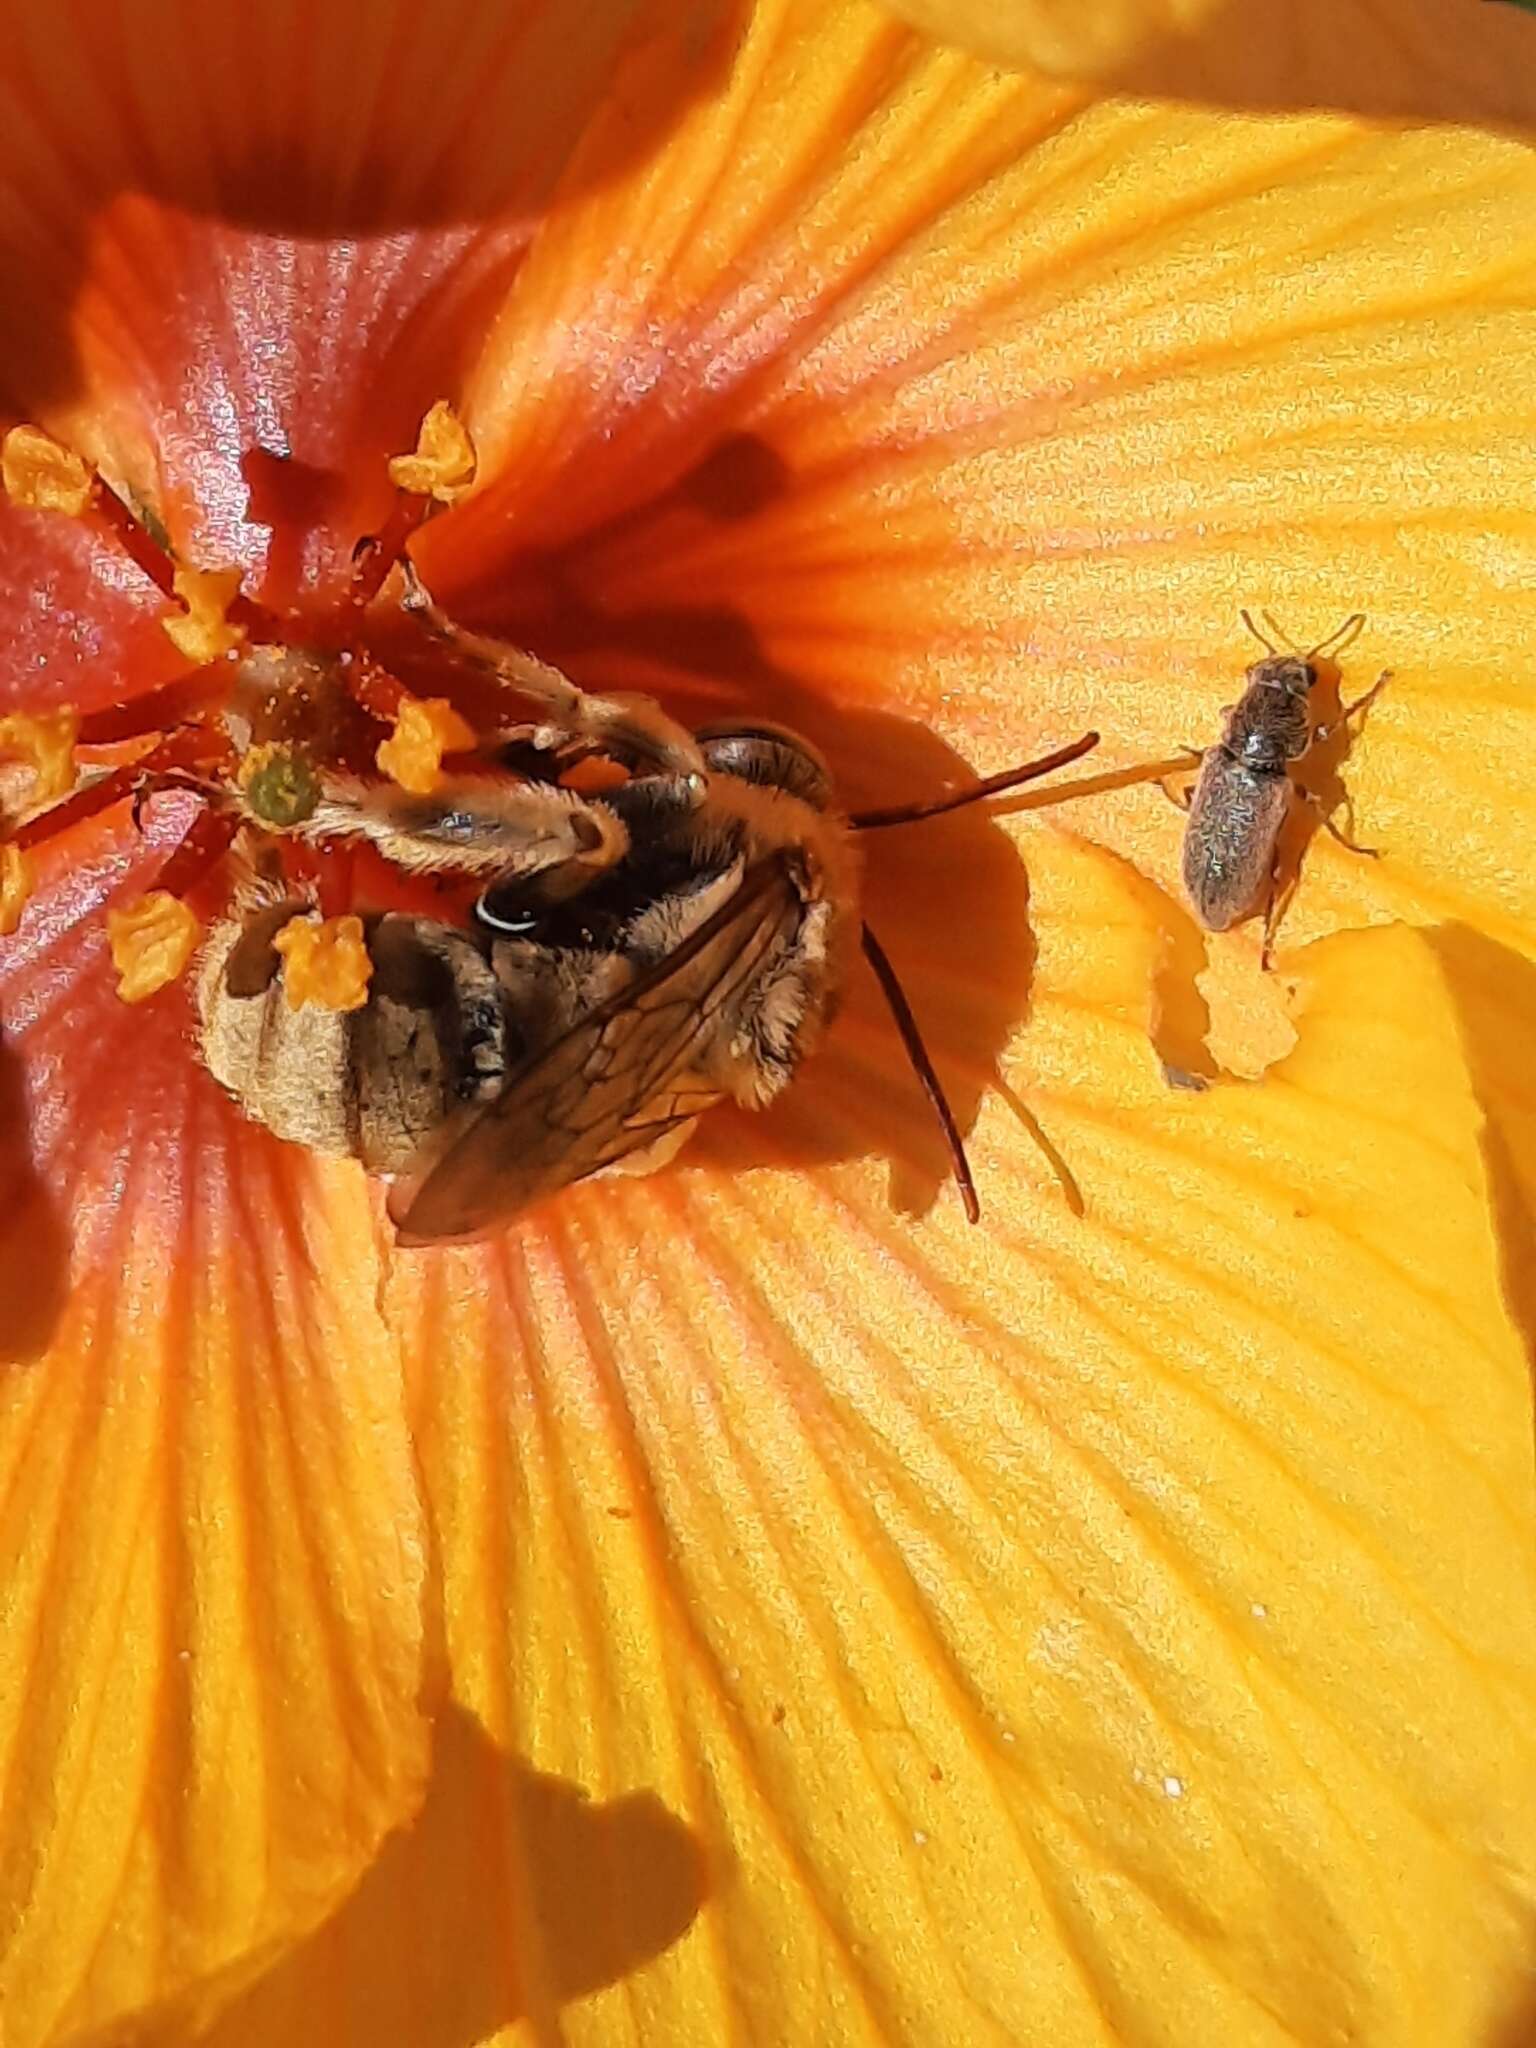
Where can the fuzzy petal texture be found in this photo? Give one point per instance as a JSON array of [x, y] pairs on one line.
[[1439, 60]]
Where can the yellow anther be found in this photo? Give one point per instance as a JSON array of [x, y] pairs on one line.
[[18, 878], [426, 728], [45, 741], [442, 464], [152, 939], [325, 962], [203, 631], [43, 473]]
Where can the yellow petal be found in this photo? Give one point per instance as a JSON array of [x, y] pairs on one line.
[[994, 422], [211, 1657], [1442, 58], [1125, 1621]]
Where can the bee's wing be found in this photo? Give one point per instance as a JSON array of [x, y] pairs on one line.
[[592, 1096]]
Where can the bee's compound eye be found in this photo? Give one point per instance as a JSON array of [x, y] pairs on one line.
[[501, 911], [770, 755]]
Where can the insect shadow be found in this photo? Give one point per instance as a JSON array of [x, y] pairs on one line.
[[1324, 798], [34, 1237], [948, 897], [520, 1894]]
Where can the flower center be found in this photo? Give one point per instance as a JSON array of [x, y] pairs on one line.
[[267, 728]]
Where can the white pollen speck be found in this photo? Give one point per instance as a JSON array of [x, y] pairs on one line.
[[919, 1837], [1008, 1735], [1174, 1787], [1259, 1611]]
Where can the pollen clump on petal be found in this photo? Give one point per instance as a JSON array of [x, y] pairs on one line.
[[426, 728], [325, 962], [42, 473], [442, 464], [18, 878], [203, 632], [152, 939], [43, 741]]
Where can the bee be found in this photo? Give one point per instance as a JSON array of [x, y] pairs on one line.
[[632, 959], [1246, 788]]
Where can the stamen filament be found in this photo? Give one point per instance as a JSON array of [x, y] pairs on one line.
[[208, 839], [194, 747], [379, 553]]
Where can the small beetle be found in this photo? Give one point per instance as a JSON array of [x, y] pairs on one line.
[[1245, 789]]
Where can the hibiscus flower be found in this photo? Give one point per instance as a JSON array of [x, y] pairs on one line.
[[750, 1603]]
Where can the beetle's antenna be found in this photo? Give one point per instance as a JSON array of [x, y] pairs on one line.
[[990, 785], [922, 1066], [1263, 638], [1341, 636]]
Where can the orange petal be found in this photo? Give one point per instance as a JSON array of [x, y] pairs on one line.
[[212, 1651], [1123, 1620], [1438, 58], [77, 627], [239, 264], [951, 423]]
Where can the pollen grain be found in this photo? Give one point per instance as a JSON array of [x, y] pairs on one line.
[[325, 961], [152, 939]]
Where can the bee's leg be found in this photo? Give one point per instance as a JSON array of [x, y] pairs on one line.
[[629, 726]]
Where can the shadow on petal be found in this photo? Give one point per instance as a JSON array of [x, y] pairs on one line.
[[1495, 995], [34, 1238], [511, 1894]]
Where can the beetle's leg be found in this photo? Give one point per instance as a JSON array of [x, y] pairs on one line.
[[1185, 797], [1347, 711], [629, 726], [1310, 797], [1274, 910]]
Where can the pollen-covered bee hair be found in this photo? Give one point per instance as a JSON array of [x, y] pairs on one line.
[[677, 941]]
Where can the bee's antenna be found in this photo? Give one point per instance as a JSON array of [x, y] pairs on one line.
[[1341, 636], [922, 1066], [991, 785]]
